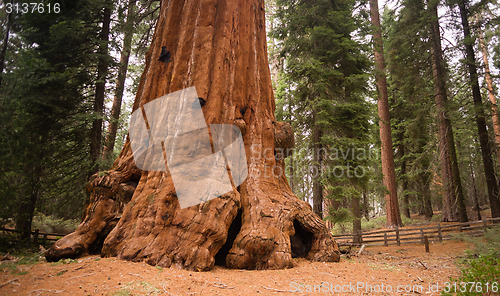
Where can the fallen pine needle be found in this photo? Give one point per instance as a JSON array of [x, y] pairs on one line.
[[276, 290], [222, 286]]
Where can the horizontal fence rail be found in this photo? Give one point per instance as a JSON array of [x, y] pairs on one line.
[[414, 235], [37, 235]]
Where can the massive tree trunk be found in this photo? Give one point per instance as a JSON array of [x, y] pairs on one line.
[[128, 33], [484, 142], [220, 48], [453, 197], [387, 154]]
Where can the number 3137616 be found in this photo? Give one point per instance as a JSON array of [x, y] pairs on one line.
[[24, 8]]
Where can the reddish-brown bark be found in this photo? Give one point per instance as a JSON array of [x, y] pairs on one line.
[[219, 46], [491, 93], [387, 154]]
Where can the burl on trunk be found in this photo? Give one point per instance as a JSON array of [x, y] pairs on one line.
[[219, 47]]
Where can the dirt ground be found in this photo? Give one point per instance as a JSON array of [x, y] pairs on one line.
[[393, 270]]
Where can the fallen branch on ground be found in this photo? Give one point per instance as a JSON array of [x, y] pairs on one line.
[[46, 290], [361, 250], [422, 264], [80, 276], [165, 290], [10, 282], [136, 274], [222, 286]]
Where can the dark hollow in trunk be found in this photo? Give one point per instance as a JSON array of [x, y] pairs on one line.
[[220, 48]]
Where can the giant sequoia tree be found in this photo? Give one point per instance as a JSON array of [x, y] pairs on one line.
[[220, 48]]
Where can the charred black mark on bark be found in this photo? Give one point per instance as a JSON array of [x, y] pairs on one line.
[[202, 101], [164, 55]]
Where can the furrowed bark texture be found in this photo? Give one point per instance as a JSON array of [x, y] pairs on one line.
[[491, 93], [219, 47], [453, 195], [387, 154]]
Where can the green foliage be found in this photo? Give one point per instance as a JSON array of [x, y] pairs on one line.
[[51, 224], [343, 222], [482, 266], [137, 288], [21, 262], [45, 102], [411, 97], [121, 292], [322, 91], [65, 261]]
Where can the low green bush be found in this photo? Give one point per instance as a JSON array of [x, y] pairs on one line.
[[480, 270]]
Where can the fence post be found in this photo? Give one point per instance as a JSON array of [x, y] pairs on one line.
[[426, 242], [360, 237], [397, 236], [485, 225], [44, 239], [422, 236], [440, 234], [35, 238], [385, 239]]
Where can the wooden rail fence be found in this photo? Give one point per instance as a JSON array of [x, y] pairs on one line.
[[413, 235], [36, 234]]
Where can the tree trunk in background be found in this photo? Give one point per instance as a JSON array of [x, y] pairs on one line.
[[5, 44], [100, 89], [477, 207], [453, 197], [424, 179], [292, 162], [489, 171], [317, 162], [220, 48], [366, 206], [391, 198], [356, 223], [491, 93], [109, 145], [425, 190], [406, 196], [27, 200]]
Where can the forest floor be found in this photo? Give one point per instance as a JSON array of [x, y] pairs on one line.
[[392, 270]]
